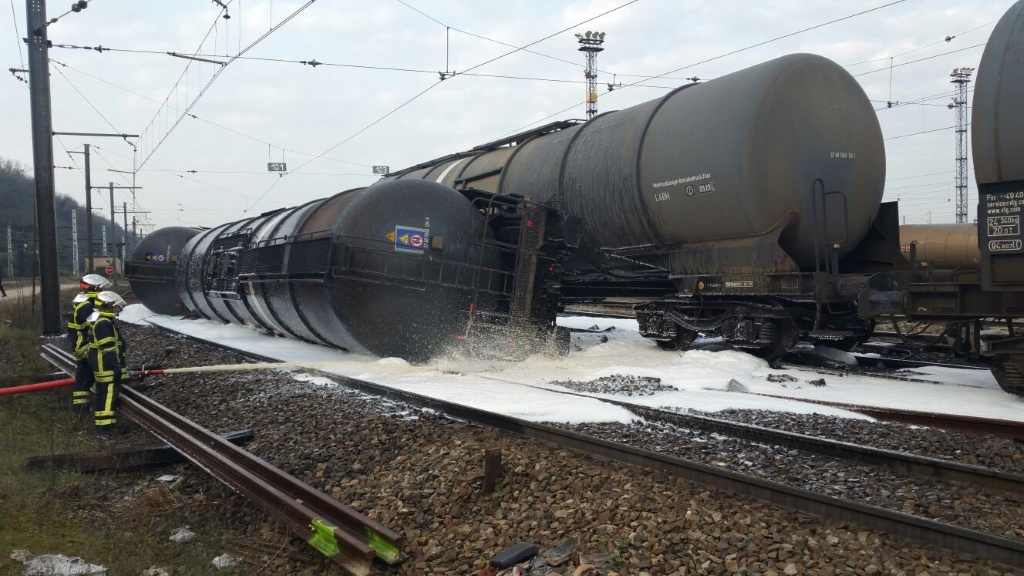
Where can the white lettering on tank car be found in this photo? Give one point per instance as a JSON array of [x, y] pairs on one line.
[[1004, 245], [682, 180]]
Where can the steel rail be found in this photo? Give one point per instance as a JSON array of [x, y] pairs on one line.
[[958, 539], [971, 424], [902, 462], [344, 535]]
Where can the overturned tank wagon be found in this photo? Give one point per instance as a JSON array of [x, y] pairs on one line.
[[152, 267], [391, 270]]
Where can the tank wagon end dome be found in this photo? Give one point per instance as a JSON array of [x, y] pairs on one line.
[[997, 116], [152, 267]]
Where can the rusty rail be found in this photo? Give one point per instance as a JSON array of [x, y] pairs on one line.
[[336, 530], [970, 424]]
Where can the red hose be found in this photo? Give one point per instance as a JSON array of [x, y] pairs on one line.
[[37, 386]]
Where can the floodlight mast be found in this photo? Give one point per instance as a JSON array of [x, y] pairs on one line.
[[590, 44], [960, 77]]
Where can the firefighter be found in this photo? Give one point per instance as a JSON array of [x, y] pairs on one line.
[[106, 357], [78, 335]]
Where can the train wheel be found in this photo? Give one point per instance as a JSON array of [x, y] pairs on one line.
[[682, 340], [1010, 377], [786, 334]]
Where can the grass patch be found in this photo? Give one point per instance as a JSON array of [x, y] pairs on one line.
[[119, 520]]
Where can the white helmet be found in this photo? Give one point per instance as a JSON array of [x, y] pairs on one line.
[[94, 283], [109, 299], [80, 298]]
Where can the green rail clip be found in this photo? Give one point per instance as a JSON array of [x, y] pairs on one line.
[[323, 538], [385, 550]]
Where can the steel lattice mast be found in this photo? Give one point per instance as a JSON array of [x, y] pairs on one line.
[[960, 77], [590, 44], [74, 242]]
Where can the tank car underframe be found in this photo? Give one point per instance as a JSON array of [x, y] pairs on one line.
[[767, 326]]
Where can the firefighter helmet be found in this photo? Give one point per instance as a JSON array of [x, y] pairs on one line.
[[109, 299], [94, 283]]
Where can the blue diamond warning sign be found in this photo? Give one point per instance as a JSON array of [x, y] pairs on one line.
[[408, 239]]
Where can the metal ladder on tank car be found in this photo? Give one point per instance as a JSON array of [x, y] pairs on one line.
[[522, 322]]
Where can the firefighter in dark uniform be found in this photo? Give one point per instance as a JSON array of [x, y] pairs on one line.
[[106, 357], [78, 335]]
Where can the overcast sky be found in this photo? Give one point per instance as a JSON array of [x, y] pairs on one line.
[[304, 111]]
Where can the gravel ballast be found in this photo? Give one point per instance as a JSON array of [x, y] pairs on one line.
[[420, 473]]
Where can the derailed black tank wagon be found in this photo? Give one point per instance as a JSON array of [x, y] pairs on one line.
[[152, 267]]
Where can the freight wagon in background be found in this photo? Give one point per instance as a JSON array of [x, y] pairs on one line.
[[748, 206]]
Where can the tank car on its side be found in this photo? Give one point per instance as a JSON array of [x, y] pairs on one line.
[[152, 267], [391, 270]]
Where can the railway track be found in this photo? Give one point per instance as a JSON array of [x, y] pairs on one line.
[[970, 424], [956, 538], [904, 463], [336, 530]]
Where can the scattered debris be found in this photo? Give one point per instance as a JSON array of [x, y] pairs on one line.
[[819, 382], [58, 565], [737, 386], [225, 561], [781, 378], [563, 552], [155, 571], [182, 535], [619, 384], [167, 478], [513, 555]]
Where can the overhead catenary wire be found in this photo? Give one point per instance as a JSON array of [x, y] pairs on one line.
[[91, 105], [919, 48], [210, 122], [17, 35], [438, 83], [720, 56], [921, 132], [314, 63], [919, 60], [481, 37], [183, 74], [219, 71]]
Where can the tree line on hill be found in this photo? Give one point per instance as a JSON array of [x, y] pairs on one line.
[[17, 197]]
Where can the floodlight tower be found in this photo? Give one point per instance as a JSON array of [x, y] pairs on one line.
[[590, 44], [960, 77]]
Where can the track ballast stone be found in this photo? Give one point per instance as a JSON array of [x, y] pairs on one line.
[[420, 473]]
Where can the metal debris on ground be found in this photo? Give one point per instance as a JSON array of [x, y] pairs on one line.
[[819, 382], [155, 571], [623, 384], [737, 386], [781, 378], [182, 535], [513, 555]]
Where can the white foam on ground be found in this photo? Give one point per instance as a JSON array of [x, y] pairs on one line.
[[700, 376]]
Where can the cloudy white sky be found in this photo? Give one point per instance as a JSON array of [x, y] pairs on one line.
[[303, 111]]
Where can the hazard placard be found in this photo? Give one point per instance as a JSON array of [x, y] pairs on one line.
[[408, 239]]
